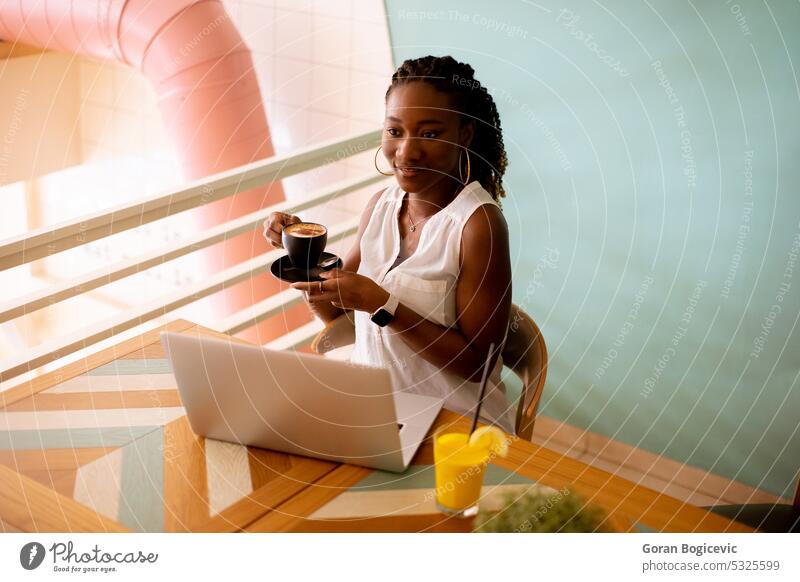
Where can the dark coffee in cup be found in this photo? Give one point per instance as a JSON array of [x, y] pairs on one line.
[[305, 242]]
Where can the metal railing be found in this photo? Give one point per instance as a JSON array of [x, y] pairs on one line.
[[43, 243]]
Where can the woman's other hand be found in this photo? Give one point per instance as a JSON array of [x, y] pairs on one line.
[[274, 225], [346, 290]]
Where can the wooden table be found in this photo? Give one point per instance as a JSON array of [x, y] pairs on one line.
[[103, 444]]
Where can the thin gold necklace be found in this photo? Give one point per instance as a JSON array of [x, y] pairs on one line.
[[413, 227]]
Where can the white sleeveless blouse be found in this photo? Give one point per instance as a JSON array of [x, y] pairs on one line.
[[426, 283]]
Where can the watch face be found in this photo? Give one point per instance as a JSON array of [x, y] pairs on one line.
[[382, 317]]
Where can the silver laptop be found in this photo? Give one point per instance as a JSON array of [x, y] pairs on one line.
[[297, 403]]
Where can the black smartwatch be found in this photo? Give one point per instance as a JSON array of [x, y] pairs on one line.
[[383, 315]]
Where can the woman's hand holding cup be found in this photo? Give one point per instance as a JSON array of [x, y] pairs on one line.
[[274, 225]]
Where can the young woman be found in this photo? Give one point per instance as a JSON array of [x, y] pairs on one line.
[[429, 275]]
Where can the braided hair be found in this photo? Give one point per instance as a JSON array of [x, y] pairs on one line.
[[472, 100]]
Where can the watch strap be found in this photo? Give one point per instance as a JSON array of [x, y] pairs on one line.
[[384, 314]]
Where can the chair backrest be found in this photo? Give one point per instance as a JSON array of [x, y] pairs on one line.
[[338, 333], [524, 352]]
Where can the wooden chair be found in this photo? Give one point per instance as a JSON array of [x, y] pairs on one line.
[[524, 352], [765, 517], [338, 333]]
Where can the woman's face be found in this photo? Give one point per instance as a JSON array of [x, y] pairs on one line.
[[421, 136]]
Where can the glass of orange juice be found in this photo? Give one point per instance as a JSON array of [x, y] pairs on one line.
[[460, 463]]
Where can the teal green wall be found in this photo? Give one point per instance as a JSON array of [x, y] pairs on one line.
[[668, 199]]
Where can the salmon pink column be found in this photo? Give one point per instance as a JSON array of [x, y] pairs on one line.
[[208, 95]]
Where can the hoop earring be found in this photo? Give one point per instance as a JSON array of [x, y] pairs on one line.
[[376, 163], [460, 173]]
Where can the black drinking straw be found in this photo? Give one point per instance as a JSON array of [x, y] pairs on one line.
[[483, 390]]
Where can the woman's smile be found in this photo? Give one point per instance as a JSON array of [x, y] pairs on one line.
[[410, 171]]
